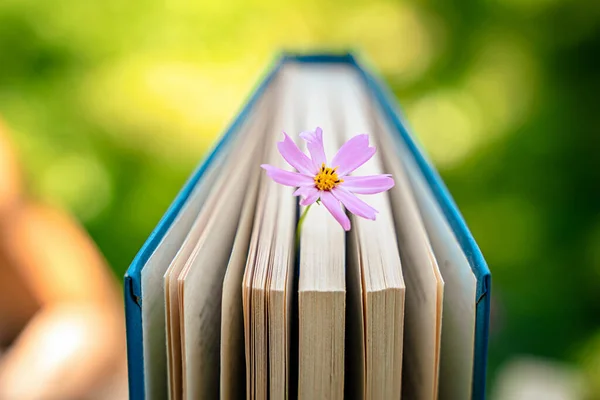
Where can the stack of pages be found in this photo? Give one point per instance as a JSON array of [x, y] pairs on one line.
[[225, 300]]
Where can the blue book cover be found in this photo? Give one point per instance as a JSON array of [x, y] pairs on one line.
[[419, 165]]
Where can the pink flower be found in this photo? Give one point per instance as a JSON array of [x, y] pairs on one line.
[[316, 180]]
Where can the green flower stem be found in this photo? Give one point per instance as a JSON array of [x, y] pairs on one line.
[[299, 226]]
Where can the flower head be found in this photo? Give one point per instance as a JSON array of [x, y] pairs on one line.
[[330, 183]]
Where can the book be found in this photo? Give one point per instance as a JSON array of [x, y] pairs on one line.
[[227, 298]]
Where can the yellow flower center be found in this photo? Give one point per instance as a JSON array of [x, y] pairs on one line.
[[327, 178]]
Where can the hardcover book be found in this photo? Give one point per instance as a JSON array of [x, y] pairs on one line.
[[241, 292]]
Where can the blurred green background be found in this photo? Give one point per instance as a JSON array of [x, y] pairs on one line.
[[112, 104]]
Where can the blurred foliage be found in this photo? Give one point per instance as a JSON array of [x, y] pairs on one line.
[[113, 103]]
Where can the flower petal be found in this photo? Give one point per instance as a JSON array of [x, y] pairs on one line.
[[371, 184], [287, 178], [355, 205], [296, 158], [309, 194], [335, 208], [311, 197], [354, 153], [304, 191], [314, 143]]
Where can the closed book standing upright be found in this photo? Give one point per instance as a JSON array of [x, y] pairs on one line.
[[227, 299]]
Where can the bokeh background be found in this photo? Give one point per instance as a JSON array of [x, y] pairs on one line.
[[111, 104]]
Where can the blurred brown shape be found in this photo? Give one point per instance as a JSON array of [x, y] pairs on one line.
[[61, 318], [10, 182]]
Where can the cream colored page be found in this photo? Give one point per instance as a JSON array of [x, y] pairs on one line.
[[356, 121], [281, 264], [319, 226], [279, 296], [259, 322], [233, 374], [173, 323], [254, 294], [246, 288], [153, 294], [382, 274], [247, 283], [322, 281], [460, 284], [423, 282], [203, 277], [254, 281], [172, 294]]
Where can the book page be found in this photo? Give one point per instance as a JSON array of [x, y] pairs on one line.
[[279, 296], [254, 379], [280, 272], [172, 320], [424, 295], [153, 295], [172, 299], [233, 372], [268, 277], [379, 258], [322, 281], [246, 289], [460, 285], [200, 282]]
